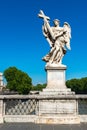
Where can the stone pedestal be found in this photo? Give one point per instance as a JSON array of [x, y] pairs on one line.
[[58, 111], [56, 77], [55, 109], [56, 81]]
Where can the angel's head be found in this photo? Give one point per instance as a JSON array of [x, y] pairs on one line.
[[66, 24], [56, 22]]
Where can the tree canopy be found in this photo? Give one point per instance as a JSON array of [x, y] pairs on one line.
[[17, 80], [39, 87], [78, 85], [20, 82]]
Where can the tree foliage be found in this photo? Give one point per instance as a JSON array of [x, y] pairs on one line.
[[39, 87], [17, 80], [22, 83], [78, 85]]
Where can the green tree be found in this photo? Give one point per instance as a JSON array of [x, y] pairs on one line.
[[39, 87], [78, 85], [17, 80]]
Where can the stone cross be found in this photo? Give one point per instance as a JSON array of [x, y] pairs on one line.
[[46, 18], [42, 15]]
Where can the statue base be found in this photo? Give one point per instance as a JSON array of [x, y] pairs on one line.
[[57, 110], [56, 81], [56, 103], [56, 77], [56, 92]]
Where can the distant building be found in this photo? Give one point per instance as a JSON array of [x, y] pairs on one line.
[[2, 85]]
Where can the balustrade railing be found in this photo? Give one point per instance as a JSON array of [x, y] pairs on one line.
[[27, 105]]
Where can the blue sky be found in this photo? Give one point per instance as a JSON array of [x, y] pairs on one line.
[[22, 43]]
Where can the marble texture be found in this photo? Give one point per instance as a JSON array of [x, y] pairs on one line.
[[1, 111], [57, 107], [57, 37], [56, 77]]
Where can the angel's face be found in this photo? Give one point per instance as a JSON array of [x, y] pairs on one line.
[[65, 25], [56, 23]]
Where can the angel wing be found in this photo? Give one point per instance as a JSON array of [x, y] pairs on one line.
[[67, 34]]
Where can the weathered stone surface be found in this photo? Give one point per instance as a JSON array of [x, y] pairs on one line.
[[58, 120], [60, 110], [58, 107], [57, 92], [56, 77], [20, 118], [1, 111]]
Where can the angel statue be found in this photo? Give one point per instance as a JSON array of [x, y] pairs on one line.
[[58, 39]]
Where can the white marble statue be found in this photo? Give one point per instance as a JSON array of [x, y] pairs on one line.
[[58, 39]]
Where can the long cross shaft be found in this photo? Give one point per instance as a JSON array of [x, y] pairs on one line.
[[46, 18]]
